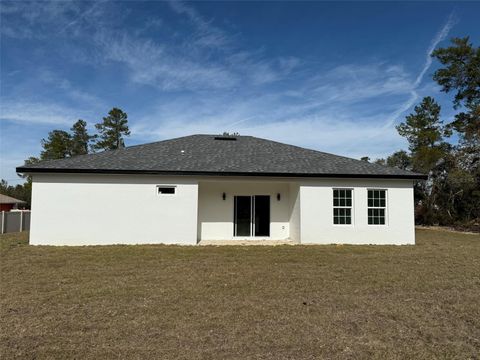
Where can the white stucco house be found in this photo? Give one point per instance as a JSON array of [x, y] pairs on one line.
[[208, 187]]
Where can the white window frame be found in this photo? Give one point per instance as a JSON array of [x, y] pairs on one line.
[[158, 187], [385, 208], [352, 217]]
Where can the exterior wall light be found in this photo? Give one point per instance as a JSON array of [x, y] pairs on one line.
[[278, 196], [224, 196]]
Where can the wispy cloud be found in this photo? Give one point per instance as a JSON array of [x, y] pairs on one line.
[[17, 110], [184, 64], [189, 64], [440, 36], [355, 82], [412, 88], [205, 33], [83, 15], [42, 19], [52, 79], [157, 65]]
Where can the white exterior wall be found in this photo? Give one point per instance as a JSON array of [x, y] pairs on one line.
[[126, 209], [295, 223], [215, 215], [316, 208], [112, 209]]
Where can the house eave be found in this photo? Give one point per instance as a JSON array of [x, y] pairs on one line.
[[27, 170]]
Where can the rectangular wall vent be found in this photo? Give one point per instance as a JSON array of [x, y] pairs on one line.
[[161, 190]]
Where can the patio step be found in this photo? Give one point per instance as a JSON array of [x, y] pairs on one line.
[[246, 242]]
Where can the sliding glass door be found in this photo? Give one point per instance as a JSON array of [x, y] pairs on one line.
[[252, 215]]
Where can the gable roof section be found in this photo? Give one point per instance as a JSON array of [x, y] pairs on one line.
[[5, 199], [218, 155]]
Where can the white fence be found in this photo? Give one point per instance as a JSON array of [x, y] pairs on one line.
[[15, 221]]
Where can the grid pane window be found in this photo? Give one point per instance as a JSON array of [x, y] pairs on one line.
[[377, 204], [342, 206]]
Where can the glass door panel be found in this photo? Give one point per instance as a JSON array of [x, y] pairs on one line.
[[262, 215], [243, 216]]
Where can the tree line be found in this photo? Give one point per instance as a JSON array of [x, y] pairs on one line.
[[61, 144], [451, 195]]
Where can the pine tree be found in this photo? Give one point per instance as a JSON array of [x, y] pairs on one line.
[[112, 130], [461, 74], [81, 140], [423, 128], [58, 145]]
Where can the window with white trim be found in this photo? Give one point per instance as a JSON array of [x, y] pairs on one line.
[[377, 207], [342, 206]]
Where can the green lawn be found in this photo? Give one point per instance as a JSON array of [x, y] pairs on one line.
[[297, 302]]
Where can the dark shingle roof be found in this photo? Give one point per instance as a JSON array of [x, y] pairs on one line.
[[208, 155]]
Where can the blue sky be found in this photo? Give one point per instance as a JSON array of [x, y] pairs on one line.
[[335, 77]]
